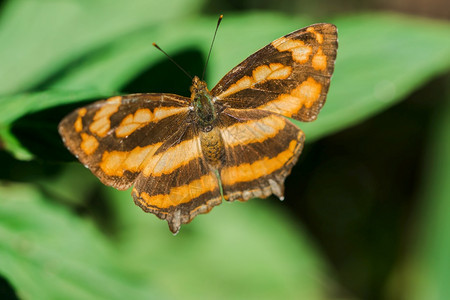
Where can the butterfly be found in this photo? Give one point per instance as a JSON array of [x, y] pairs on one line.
[[183, 156]]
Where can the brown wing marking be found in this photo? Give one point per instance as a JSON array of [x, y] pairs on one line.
[[115, 138], [260, 150], [290, 76]]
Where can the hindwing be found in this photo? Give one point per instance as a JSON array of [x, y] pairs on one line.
[[177, 183], [260, 150]]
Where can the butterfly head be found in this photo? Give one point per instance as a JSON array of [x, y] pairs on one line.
[[198, 87]]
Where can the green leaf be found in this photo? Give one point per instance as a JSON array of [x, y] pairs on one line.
[[428, 268], [237, 251], [10, 143], [47, 252], [39, 38]]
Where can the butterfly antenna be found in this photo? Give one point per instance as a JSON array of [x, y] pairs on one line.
[[212, 43], [171, 59]]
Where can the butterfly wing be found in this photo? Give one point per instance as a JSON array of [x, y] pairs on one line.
[[260, 150], [290, 76], [148, 140], [115, 137]]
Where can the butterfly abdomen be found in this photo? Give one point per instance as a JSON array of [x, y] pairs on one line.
[[213, 147]]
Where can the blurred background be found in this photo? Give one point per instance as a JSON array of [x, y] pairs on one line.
[[367, 205]]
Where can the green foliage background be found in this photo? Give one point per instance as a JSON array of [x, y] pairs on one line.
[[365, 215]]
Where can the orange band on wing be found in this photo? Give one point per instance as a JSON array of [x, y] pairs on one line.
[[253, 131], [300, 52], [114, 163], [319, 60], [304, 95], [88, 143], [78, 123], [252, 171], [101, 122], [182, 194], [173, 158], [319, 36], [143, 159], [144, 116], [259, 75]]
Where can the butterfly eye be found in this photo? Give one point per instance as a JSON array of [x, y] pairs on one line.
[[207, 128]]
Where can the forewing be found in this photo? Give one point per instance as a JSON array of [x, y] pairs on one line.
[[260, 150], [177, 184], [290, 76], [115, 137]]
